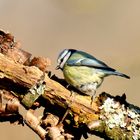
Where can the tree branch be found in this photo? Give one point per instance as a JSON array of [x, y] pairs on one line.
[[31, 83]]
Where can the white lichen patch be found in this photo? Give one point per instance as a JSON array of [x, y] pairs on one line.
[[116, 115]]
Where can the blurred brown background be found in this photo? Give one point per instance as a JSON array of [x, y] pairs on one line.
[[110, 30]]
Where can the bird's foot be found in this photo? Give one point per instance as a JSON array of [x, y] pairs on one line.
[[93, 97]]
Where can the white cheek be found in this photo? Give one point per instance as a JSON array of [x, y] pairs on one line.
[[62, 64], [65, 59]]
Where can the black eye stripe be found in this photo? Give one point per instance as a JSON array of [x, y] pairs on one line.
[[61, 60]]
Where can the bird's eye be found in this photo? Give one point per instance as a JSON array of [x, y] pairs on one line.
[[60, 61]]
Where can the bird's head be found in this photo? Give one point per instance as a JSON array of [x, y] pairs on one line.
[[63, 57]]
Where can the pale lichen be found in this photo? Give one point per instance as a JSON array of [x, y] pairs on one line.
[[118, 115]]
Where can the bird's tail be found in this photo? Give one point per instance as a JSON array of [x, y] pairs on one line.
[[120, 74]]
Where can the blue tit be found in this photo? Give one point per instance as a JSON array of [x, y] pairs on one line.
[[83, 71]]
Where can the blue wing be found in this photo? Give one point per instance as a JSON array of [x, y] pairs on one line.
[[89, 63], [96, 64]]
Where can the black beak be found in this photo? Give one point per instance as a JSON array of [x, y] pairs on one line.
[[57, 67]]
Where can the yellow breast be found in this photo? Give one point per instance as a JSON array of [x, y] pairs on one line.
[[78, 75]]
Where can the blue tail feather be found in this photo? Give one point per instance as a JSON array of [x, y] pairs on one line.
[[120, 74]]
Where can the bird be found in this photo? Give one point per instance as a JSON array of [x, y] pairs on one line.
[[83, 71]]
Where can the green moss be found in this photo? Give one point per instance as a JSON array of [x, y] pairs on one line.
[[116, 133]]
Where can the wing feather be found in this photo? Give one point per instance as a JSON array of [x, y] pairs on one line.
[[88, 62]]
